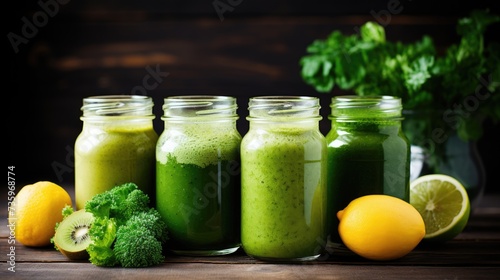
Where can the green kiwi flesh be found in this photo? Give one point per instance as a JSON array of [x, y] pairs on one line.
[[72, 235]]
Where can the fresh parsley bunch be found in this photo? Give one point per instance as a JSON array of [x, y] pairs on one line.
[[368, 64]]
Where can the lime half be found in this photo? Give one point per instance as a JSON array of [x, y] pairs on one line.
[[443, 203]]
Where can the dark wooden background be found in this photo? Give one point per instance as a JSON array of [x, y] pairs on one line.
[[93, 47]]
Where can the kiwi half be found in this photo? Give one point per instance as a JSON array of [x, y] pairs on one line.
[[72, 235]]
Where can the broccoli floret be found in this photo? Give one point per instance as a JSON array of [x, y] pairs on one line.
[[137, 249], [126, 231], [151, 221], [137, 242], [121, 203], [136, 202]]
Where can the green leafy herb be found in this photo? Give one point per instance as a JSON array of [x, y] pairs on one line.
[[368, 64]]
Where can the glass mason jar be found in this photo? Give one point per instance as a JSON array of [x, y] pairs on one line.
[[198, 175], [368, 152], [116, 145], [283, 180]]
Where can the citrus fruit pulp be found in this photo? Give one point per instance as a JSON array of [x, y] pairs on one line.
[[443, 203]]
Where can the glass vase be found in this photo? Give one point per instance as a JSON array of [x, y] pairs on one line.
[[437, 148]]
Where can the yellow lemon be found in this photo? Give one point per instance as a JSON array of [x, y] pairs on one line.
[[36, 210], [380, 227]]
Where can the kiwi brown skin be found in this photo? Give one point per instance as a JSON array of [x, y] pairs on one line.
[[79, 255], [71, 237]]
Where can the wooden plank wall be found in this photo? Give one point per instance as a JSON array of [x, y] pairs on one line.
[[89, 48]]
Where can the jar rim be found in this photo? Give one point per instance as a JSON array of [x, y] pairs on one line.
[[284, 97], [350, 107], [117, 97], [118, 106], [199, 97], [381, 101], [199, 107], [283, 108]]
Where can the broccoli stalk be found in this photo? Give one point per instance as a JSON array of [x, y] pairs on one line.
[[126, 231]]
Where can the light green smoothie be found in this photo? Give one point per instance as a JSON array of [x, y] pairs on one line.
[[283, 193], [109, 155]]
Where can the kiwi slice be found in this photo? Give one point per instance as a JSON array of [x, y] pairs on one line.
[[72, 235]]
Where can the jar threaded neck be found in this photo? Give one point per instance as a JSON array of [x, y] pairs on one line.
[[349, 107], [117, 106], [199, 107], [283, 108]]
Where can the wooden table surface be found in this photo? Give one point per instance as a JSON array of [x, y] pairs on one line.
[[474, 254]]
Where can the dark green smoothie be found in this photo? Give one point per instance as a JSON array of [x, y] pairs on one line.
[[198, 184], [367, 154], [200, 204]]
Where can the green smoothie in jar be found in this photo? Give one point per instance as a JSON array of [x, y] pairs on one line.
[[116, 146], [283, 161], [367, 152], [198, 175]]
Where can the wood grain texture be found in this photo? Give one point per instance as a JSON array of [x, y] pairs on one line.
[[474, 254], [244, 271]]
